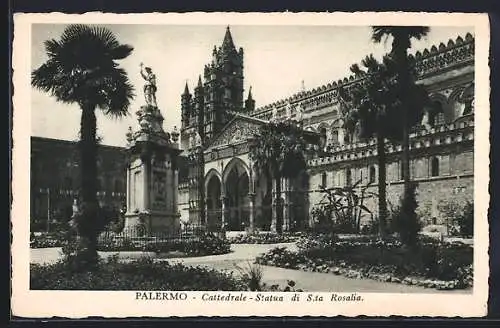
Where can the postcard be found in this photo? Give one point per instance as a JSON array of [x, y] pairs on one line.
[[250, 164]]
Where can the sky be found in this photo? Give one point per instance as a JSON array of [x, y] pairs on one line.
[[276, 61]]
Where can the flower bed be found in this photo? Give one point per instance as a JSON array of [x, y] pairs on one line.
[[46, 240], [205, 245], [194, 246], [432, 264], [262, 238], [144, 274]]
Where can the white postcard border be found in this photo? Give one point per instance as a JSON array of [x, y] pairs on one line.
[[76, 304]]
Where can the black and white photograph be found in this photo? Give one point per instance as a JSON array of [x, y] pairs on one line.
[[239, 164]]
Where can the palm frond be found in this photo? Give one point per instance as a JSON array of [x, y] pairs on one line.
[[82, 68]]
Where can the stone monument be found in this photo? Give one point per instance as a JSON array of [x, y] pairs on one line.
[[152, 169]]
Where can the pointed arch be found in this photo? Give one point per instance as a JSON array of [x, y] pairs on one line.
[[210, 174], [235, 162]]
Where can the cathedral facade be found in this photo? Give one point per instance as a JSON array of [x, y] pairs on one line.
[[222, 190]]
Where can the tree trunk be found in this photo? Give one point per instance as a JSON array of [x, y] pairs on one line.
[[88, 154], [88, 227], [382, 201], [401, 57]]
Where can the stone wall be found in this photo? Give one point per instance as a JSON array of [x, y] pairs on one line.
[[454, 185]]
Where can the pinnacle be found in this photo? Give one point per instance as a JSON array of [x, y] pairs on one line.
[[199, 81], [186, 89], [250, 93]]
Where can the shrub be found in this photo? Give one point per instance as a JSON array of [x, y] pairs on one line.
[[405, 220], [117, 244], [465, 220], [252, 276]]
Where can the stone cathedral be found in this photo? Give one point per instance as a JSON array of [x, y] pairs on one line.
[[221, 189]]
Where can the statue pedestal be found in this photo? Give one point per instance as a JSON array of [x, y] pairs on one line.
[[152, 178]]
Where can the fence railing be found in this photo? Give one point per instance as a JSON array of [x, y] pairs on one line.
[[139, 238]]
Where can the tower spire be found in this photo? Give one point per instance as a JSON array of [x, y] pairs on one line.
[[186, 88], [228, 44], [199, 81]]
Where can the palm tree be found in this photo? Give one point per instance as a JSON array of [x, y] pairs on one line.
[[401, 42], [277, 151], [373, 104], [81, 69], [370, 104]]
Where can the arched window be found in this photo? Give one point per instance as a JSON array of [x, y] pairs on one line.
[[372, 174], [436, 114], [323, 179], [434, 167], [322, 133], [347, 138], [335, 137], [348, 177]]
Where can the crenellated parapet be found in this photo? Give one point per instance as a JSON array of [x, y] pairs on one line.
[[433, 60], [436, 59], [447, 134]]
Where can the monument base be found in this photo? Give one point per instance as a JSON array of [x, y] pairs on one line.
[[152, 223]]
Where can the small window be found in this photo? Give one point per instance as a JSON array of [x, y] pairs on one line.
[[323, 179], [436, 114], [348, 177], [434, 167], [372, 174]]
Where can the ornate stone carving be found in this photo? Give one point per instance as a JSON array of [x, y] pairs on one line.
[[238, 131]]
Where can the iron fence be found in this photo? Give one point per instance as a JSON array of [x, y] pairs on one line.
[[137, 237]]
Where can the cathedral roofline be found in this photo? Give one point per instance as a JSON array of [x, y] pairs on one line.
[[419, 57]]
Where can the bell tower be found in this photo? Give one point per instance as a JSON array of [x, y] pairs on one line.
[[223, 85]]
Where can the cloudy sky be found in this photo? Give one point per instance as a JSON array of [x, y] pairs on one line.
[[276, 61]]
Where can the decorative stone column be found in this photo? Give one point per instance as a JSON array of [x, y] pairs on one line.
[[223, 199], [251, 208], [129, 192], [287, 210], [274, 210]]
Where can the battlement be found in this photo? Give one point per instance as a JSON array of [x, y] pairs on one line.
[[446, 134], [429, 61]]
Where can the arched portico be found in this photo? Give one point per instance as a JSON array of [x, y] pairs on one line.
[[238, 203], [213, 203]]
